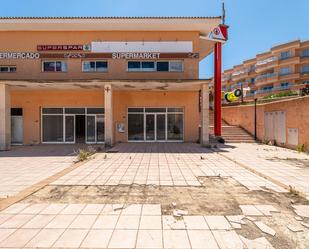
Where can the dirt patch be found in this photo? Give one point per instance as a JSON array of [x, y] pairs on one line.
[[300, 163], [217, 196]]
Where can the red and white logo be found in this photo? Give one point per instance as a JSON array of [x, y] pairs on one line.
[[217, 34]]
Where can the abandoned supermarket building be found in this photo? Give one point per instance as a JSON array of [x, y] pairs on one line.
[[104, 79]]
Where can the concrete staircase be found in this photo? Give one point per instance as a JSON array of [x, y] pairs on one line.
[[230, 133]]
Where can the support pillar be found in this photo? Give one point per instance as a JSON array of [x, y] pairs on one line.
[[217, 89], [205, 115], [5, 117], [108, 108]]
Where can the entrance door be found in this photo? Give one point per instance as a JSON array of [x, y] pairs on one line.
[[160, 127], [16, 126], [150, 127], [94, 129], [155, 127], [70, 129], [17, 129], [90, 129]]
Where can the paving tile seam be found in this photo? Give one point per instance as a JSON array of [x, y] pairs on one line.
[[263, 175], [39, 185]]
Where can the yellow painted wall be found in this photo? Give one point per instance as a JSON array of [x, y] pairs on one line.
[[33, 101]]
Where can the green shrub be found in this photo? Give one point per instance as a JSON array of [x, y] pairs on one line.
[[83, 155], [300, 148]]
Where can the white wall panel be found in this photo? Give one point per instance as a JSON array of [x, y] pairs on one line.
[[163, 47], [275, 126]]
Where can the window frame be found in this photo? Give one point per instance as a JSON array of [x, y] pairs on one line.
[[155, 66], [143, 111], [95, 61], [287, 52], [305, 52], [9, 69], [55, 66], [288, 71], [304, 71]]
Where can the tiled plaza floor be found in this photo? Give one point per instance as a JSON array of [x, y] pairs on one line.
[[283, 165], [166, 164], [25, 166], [112, 226]]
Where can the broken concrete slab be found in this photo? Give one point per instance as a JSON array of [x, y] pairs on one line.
[[267, 209], [179, 213], [264, 228], [301, 210], [258, 243], [235, 225], [250, 210], [305, 224], [250, 218], [298, 218], [236, 219], [294, 228]]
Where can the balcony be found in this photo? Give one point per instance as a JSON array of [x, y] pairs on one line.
[[289, 61], [240, 74], [266, 64], [266, 78], [289, 76], [304, 74], [226, 78]]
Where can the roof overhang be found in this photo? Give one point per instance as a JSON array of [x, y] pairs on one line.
[[201, 24], [127, 85]]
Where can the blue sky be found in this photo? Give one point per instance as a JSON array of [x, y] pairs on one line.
[[255, 25]]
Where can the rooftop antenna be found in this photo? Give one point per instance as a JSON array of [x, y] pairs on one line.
[[223, 14]]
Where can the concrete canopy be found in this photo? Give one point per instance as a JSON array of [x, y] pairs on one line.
[[140, 85]]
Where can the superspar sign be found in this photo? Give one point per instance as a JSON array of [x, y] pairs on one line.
[[63, 48]]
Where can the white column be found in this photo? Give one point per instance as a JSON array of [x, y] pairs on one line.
[[108, 107], [5, 117], [205, 115]]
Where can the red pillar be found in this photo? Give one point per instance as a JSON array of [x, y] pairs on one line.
[[217, 88], [217, 77]]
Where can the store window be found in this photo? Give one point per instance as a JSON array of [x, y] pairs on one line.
[[162, 66], [64, 125], [7, 69], [136, 127], [95, 66], [175, 126], [155, 66], [155, 124], [175, 66], [52, 128], [55, 66]]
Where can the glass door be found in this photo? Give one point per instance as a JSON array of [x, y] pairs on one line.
[[94, 129], [150, 127], [69, 129], [90, 129], [100, 128], [160, 127]]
